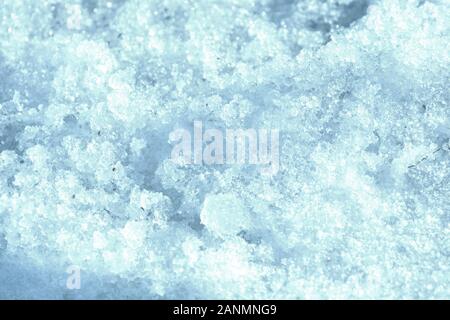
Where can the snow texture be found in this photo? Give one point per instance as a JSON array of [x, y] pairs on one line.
[[91, 89]]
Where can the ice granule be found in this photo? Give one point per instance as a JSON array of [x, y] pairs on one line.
[[90, 90]]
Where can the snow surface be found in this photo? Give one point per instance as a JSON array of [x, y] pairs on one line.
[[91, 89]]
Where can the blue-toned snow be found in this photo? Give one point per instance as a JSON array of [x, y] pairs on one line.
[[90, 90]]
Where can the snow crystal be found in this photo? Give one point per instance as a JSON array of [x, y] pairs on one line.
[[224, 214]]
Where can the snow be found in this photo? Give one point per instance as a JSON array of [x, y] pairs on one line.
[[90, 92]]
